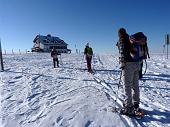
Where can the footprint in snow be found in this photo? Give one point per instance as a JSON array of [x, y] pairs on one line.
[[18, 77], [59, 119]]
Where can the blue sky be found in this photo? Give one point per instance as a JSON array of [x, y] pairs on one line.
[[80, 21]]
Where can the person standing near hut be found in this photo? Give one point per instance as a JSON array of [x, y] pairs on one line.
[[55, 58]]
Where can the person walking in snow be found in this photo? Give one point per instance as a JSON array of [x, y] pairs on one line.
[[130, 73], [88, 52], [55, 58]]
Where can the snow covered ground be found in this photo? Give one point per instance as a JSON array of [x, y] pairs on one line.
[[34, 94]]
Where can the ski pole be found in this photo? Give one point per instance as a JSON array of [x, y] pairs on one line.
[[145, 67], [82, 62], [61, 60], [118, 86], [93, 62]]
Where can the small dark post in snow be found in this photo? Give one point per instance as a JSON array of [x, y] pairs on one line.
[[164, 48], [19, 51], [2, 66], [167, 42], [12, 51], [5, 52], [75, 48], [167, 51]]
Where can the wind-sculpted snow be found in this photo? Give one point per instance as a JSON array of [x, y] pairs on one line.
[[34, 94]]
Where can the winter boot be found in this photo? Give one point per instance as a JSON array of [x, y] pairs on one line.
[[127, 111], [136, 107]]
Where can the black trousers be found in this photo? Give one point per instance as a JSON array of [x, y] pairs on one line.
[[88, 59], [54, 62]]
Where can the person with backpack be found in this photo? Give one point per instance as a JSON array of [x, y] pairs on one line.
[[140, 39], [55, 58], [88, 52], [129, 66]]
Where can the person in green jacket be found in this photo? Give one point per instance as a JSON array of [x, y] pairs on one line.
[[88, 52]]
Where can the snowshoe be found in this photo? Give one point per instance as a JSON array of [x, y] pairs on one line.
[[91, 71], [127, 111], [139, 114], [130, 112]]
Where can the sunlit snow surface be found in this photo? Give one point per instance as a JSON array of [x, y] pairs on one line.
[[34, 94]]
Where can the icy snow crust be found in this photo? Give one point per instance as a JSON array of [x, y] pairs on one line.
[[34, 94]]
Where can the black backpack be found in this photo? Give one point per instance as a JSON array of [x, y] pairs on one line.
[[139, 46]]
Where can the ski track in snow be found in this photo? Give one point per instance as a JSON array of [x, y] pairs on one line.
[[34, 94]]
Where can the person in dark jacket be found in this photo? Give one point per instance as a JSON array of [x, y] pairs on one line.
[[130, 73], [55, 58], [88, 52]]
